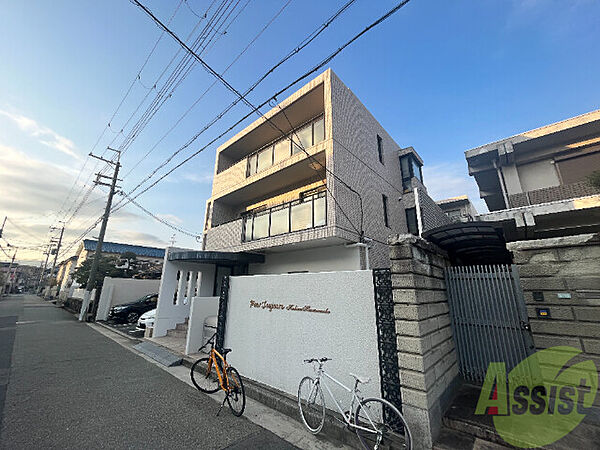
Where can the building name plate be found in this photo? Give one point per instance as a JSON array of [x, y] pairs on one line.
[[290, 307]]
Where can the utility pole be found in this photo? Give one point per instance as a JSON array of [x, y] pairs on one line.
[[47, 253], [57, 249], [10, 278], [98, 253], [3, 223]]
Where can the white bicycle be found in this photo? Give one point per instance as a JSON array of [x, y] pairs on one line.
[[378, 423]]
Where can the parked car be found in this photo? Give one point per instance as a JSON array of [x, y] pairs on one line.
[[130, 312], [146, 320]]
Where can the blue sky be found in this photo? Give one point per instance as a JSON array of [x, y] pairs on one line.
[[440, 76]]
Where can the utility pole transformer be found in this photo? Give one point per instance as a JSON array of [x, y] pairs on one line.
[[98, 253]]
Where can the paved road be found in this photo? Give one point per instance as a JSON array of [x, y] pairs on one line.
[[64, 385]]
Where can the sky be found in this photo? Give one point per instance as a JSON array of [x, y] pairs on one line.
[[440, 76]]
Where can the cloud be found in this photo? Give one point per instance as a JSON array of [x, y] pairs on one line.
[[170, 218], [43, 134], [451, 179], [198, 178]]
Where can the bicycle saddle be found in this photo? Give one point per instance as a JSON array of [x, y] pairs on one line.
[[360, 379], [225, 351]]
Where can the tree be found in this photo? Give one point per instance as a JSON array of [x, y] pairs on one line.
[[107, 267]]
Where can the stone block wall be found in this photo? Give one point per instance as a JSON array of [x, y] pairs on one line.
[[426, 351], [562, 276]]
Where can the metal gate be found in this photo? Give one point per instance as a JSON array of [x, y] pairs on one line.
[[489, 319]]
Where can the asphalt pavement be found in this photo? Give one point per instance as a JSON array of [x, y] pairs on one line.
[[64, 385]]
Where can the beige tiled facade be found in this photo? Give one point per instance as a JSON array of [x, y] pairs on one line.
[[355, 179]]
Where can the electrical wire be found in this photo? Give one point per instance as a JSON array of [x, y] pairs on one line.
[[305, 75], [305, 42], [264, 28]]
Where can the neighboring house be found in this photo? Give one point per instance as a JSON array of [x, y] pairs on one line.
[[458, 209], [21, 277], [148, 259], [64, 276], [535, 183], [306, 208]]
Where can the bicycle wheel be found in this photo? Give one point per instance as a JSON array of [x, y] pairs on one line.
[[236, 397], [205, 380], [382, 425], [311, 404]]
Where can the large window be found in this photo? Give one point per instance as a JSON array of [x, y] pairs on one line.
[[411, 221], [308, 212], [303, 137], [410, 167]]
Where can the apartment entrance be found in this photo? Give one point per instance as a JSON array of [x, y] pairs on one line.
[[487, 309], [489, 318]]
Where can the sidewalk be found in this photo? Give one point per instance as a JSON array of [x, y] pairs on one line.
[[68, 386]]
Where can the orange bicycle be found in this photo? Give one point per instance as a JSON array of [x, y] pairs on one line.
[[223, 377]]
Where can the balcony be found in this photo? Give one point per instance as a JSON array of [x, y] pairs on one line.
[[308, 212], [552, 194]]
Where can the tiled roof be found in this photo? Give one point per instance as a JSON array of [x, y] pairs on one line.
[[113, 247]]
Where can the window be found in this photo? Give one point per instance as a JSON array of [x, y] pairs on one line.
[[319, 130], [384, 200], [411, 221], [265, 159], [410, 167], [261, 226], [308, 135], [252, 164], [281, 150], [301, 216], [308, 212], [380, 148], [320, 211], [280, 221]]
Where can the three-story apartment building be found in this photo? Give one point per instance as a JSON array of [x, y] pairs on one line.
[[315, 184]]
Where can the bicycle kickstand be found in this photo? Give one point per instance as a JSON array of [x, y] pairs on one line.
[[221, 407]]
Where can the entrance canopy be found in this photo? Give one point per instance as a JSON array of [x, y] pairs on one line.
[[471, 242], [221, 258]]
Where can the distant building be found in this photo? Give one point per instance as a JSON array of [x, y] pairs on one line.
[[536, 183], [148, 259], [458, 209]]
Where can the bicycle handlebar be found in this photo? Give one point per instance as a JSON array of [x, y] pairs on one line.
[[312, 360], [210, 340]]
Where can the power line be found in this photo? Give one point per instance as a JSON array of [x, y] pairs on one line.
[[279, 92], [161, 220], [264, 28], [108, 125], [305, 42]]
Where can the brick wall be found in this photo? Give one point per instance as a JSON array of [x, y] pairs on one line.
[[563, 276], [432, 215], [426, 351]]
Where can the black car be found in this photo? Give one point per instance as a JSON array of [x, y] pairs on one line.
[[130, 312]]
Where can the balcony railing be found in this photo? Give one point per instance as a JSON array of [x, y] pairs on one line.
[[308, 212], [552, 194]]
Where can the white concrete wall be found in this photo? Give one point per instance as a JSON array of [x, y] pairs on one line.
[[79, 293], [116, 291], [269, 346], [174, 297], [200, 309], [330, 259]]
